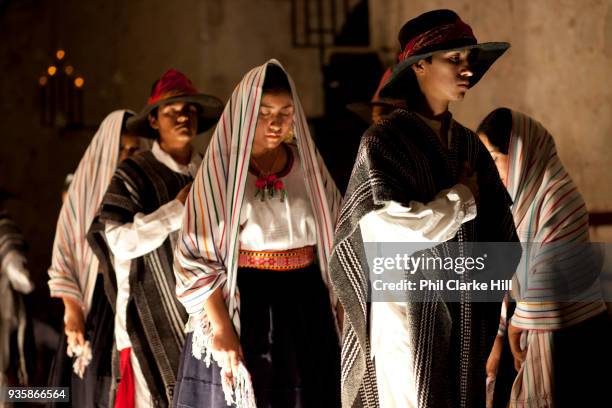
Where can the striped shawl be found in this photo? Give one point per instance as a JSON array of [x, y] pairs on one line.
[[401, 159], [11, 238], [550, 215], [13, 311], [74, 267], [155, 318]]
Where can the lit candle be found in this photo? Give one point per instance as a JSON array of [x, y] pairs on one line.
[[78, 84]]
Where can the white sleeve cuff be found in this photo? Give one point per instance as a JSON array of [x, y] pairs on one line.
[[466, 199]]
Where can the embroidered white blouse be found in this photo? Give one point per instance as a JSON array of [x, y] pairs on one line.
[[277, 225]]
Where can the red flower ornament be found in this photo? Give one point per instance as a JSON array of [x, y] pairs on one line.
[[268, 186]]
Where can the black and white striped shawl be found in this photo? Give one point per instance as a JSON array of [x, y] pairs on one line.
[[401, 159], [155, 318], [12, 239]]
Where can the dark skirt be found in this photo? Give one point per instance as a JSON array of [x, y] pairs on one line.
[[94, 388], [289, 342], [582, 357]]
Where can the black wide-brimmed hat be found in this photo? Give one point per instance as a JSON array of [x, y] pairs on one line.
[[172, 87], [439, 31], [364, 109]]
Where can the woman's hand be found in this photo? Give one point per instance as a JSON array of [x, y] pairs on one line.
[[494, 357], [182, 195], [514, 337], [225, 347], [226, 351], [74, 323]]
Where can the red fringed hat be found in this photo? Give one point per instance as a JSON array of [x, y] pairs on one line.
[[364, 109], [173, 86], [433, 32]]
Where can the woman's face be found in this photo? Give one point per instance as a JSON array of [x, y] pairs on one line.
[[500, 159], [129, 146], [274, 121]]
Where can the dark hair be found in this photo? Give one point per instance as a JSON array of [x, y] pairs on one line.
[[276, 80], [124, 122], [411, 84], [67, 182], [153, 112], [497, 126]]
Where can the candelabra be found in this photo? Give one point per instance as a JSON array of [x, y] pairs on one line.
[[61, 94]]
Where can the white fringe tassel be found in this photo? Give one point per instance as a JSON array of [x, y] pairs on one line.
[[239, 391], [82, 357]]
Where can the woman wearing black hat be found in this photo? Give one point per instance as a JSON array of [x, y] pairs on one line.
[[135, 233], [421, 177]]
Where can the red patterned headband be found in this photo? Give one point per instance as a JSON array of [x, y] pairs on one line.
[[172, 83], [449, 32]]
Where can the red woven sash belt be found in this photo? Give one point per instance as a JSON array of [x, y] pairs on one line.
[[277, 260]]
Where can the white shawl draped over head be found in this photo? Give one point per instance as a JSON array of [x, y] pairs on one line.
[[547, 204], [206, 256], [551, 216], [74, 267]]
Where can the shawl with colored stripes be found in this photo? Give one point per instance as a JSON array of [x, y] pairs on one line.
[[206, 254], [155, 319], [401, 159], [551, 216], [74, 267]]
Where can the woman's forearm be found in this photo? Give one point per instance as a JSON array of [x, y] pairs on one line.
[[217, 312]]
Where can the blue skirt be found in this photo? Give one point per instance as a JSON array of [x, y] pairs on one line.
[[289, 342]]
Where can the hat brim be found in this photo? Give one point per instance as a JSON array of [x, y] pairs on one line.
[[488, 53], [211, 109], [364, 109]]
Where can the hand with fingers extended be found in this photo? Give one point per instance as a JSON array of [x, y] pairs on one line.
[[227, 351], [514, 337], [469, 177], [182, 195], [74, 324]]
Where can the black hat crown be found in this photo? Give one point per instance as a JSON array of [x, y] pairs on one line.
[[425, 22], [434, 31]]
